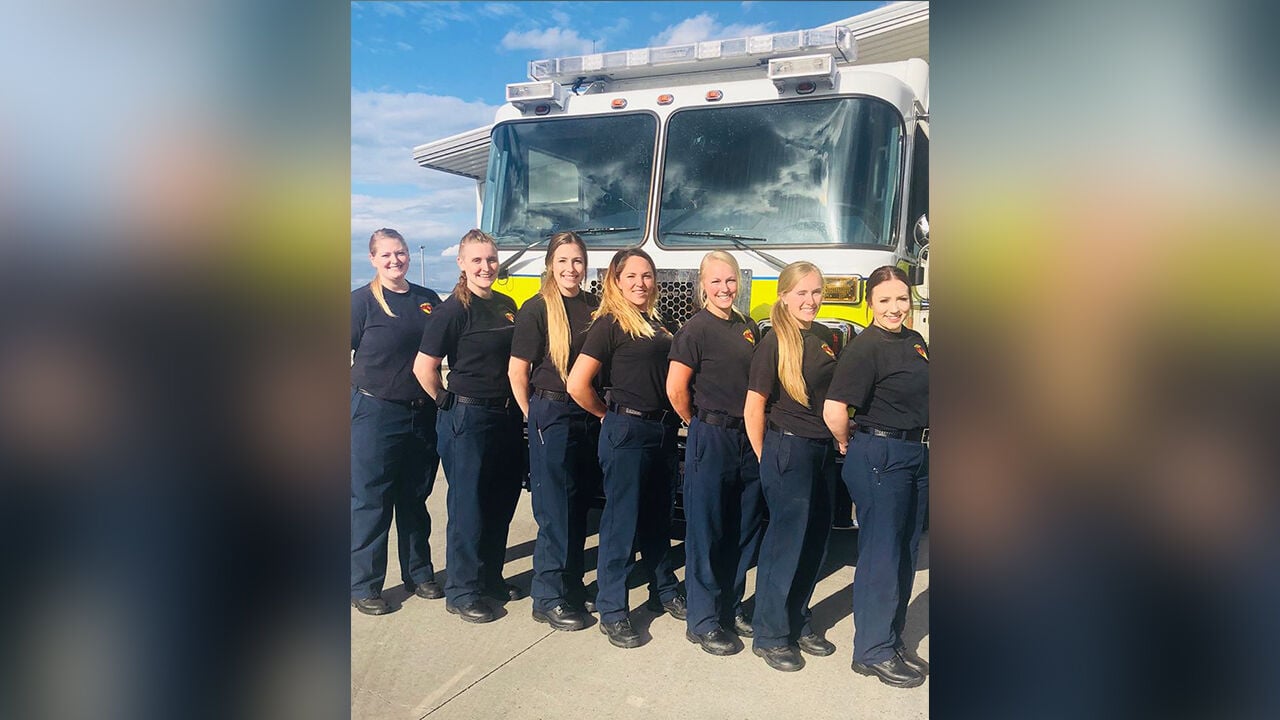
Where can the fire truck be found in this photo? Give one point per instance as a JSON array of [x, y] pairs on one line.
[[800, 145]]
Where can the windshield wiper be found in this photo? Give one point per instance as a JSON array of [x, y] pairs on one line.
[[504, 270], [738, 240], [602, 230]]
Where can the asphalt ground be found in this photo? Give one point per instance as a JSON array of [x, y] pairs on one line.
[[420, 661]]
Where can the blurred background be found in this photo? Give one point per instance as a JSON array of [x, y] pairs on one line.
[[175, 189]]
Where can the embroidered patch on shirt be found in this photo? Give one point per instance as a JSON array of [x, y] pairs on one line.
[[750, 338], [426, 308], [510, 317], [923, 354], [827, 349]]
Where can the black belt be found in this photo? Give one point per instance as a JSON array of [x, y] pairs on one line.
[[722, 419], [778, 428], [552, 395], [654, 415], [483, 402], [416, 403], [920, 435]]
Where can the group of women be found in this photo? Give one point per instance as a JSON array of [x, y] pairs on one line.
[[766, 417]]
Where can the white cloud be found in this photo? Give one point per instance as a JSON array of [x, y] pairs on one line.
[[403, 45], [385, 127], [384, 8], [705, 27], [550, 42]]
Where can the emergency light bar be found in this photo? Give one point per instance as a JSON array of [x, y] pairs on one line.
[[523, 95], [692, 57], [817, 68]]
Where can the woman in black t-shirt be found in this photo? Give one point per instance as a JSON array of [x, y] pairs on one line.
[[637, 439], [883, 376], [478, 427], [789, 376], [723, 506], [563, 470], [393, 434]]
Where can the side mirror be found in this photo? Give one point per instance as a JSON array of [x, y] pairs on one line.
[[921, 230]]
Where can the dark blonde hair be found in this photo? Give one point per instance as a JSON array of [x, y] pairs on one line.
[[461, 291], [375, 286], [559, 334], [790, 340], [612, 302]]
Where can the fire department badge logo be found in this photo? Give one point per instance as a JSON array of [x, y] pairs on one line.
[[920, 349], [749, 337], [426, 308], [509, 316], [827, 349]]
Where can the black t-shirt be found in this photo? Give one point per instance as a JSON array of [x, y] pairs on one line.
[[719, 351], [636, 367], [385, 347], [477, 343], [816, 367], [885, 377], [530, 341]]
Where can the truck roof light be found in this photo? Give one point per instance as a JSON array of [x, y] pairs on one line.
[[522, 95], [806, 87], [837, 42], [542, 109], [618, 103], [816, 68], [666, 99], [714, 95]]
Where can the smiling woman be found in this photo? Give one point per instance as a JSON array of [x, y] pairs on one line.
[[628, 341], [478, 425], [393, 438]]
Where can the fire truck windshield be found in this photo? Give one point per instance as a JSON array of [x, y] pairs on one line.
[[590, 174], [812, 172]]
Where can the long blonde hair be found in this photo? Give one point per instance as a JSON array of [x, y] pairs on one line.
[[612, 302], [559, 334], [727, 259], [461, 291], [375, 286], [790, 341]]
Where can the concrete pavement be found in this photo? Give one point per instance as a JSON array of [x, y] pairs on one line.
[[421, 662]]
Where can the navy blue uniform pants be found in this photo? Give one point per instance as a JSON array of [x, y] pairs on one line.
[[480, 450], [637, 458], [723, 507], [798, 478], [889, 482], [393, 468], [563, 475]]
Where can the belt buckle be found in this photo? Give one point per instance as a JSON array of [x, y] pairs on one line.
[[924, 437]]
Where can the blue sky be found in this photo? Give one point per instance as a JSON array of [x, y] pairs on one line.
[[421, 71]]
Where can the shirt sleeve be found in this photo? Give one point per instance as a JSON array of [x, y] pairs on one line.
[[529, 341], [442, 331], [763, 377], [358, 314], [855, 375], [599, 343], [685, 348]]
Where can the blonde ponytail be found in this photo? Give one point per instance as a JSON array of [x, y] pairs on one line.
[[375, 286], [461, 291], [559, 334], [790, 339]]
